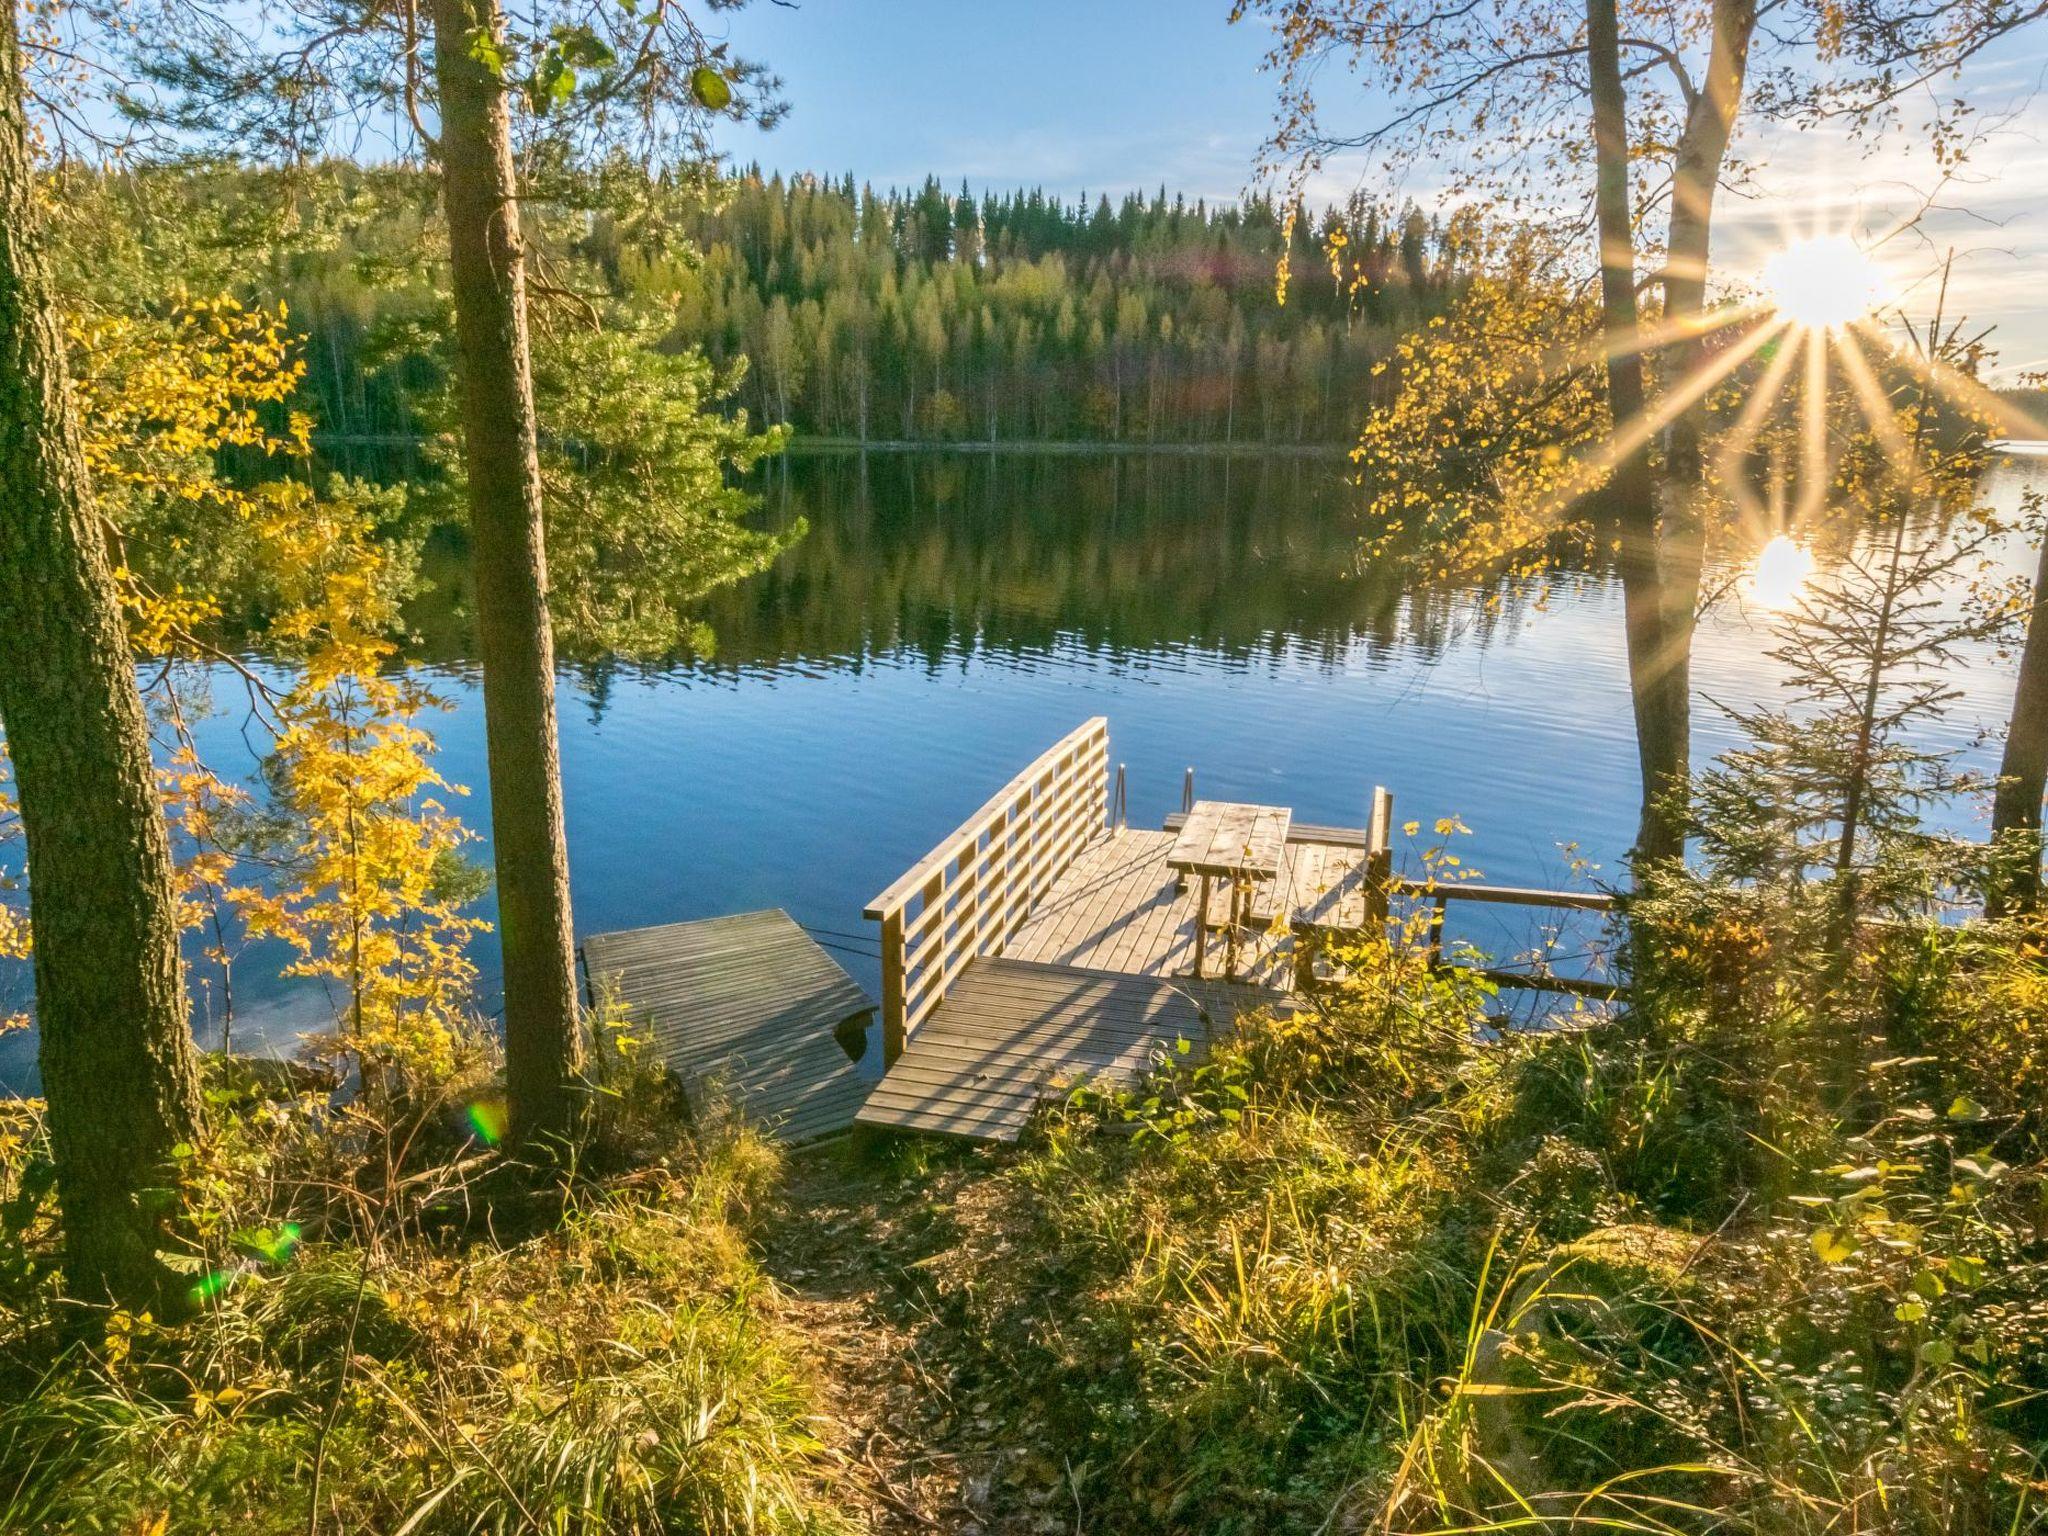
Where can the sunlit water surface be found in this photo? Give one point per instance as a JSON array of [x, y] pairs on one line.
[[948, 617]]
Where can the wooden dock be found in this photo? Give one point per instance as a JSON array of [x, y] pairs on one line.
[[749, 1004], [1044, 941], [1118, 907], [1041, 944]]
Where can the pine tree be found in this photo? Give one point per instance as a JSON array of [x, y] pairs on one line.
[[116, 1054]]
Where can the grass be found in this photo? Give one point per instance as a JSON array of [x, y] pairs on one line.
[[1767, 1252], [606, 1364]]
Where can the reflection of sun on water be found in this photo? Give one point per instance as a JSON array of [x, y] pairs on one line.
[[1782, 569], [1823, 283]]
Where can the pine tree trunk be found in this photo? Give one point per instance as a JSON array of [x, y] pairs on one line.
[[1659, 686], [2023, 774], [116, 1054], [514, 639]]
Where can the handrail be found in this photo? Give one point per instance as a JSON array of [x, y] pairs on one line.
[[1505, 895], [971, 893], [908, 883]]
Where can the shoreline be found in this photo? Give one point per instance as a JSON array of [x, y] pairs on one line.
[[799, 445]]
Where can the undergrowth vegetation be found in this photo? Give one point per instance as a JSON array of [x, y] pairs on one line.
[[391, 1329], [1768, 1250]]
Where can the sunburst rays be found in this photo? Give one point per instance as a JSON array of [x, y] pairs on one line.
[[1818, 323]]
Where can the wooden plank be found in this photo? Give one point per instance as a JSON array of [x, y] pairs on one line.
[[1230, 838], [1119, 908], [1297, 831], [1012, 1033], [749, 1002], [1577, 986], [1506, 895], [1004, 1126]]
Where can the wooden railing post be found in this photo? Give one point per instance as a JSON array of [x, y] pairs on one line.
[[892, 986], [1379, 859]]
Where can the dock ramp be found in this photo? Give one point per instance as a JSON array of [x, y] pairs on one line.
[[749, 1002]]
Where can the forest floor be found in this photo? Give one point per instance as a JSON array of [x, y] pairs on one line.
[[862, 1249]]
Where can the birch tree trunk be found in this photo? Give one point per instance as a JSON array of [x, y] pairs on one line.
[[1696, 176], [115, 1051], [515, 641]]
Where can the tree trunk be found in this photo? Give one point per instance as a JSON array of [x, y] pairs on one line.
[[116, 1054], [1696, 176], [1658, 682], [514, 639], [2023, 774]]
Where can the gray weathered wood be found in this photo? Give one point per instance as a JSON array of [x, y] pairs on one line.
[[1226, 837], [1013, 1033], [748, 1003]]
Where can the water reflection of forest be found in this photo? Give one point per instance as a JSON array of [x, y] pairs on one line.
[[940, 556]]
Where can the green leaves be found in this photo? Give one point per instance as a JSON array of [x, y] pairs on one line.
[[552, 83], [710, 88], [488, 51], [561, 63]]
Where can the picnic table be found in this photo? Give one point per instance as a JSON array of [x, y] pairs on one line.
[[1227, 840]]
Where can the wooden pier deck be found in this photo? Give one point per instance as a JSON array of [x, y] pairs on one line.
[[1117, 907], [1013, 1033], [1045, 941], [748, 1003], [1042, 943]]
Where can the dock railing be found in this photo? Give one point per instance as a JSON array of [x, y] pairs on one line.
[[970, 894], [1382, 882]]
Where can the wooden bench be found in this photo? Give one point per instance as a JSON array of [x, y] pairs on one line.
[[1337, 881]]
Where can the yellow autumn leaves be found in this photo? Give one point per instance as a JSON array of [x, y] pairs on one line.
[[355, 867]]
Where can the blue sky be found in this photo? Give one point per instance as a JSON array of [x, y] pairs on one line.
[[1126, 94], [1111, 95]]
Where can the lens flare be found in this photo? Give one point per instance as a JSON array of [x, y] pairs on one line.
[[1781, 572], [1823, 283], [488, 1119]]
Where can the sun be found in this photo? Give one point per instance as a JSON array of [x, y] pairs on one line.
[[1780, 574], [1823, 283]]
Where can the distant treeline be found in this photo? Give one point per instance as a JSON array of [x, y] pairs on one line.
[[930, 316], [1022, 317]]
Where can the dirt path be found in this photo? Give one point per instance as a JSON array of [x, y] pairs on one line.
[[856, 1249]]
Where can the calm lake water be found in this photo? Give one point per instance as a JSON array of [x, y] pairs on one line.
[[949, 616]]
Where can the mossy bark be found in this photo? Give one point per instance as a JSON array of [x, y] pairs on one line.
[[117, 1057], [514, 639]]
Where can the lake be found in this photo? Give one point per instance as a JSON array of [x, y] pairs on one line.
[[948, 616]]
